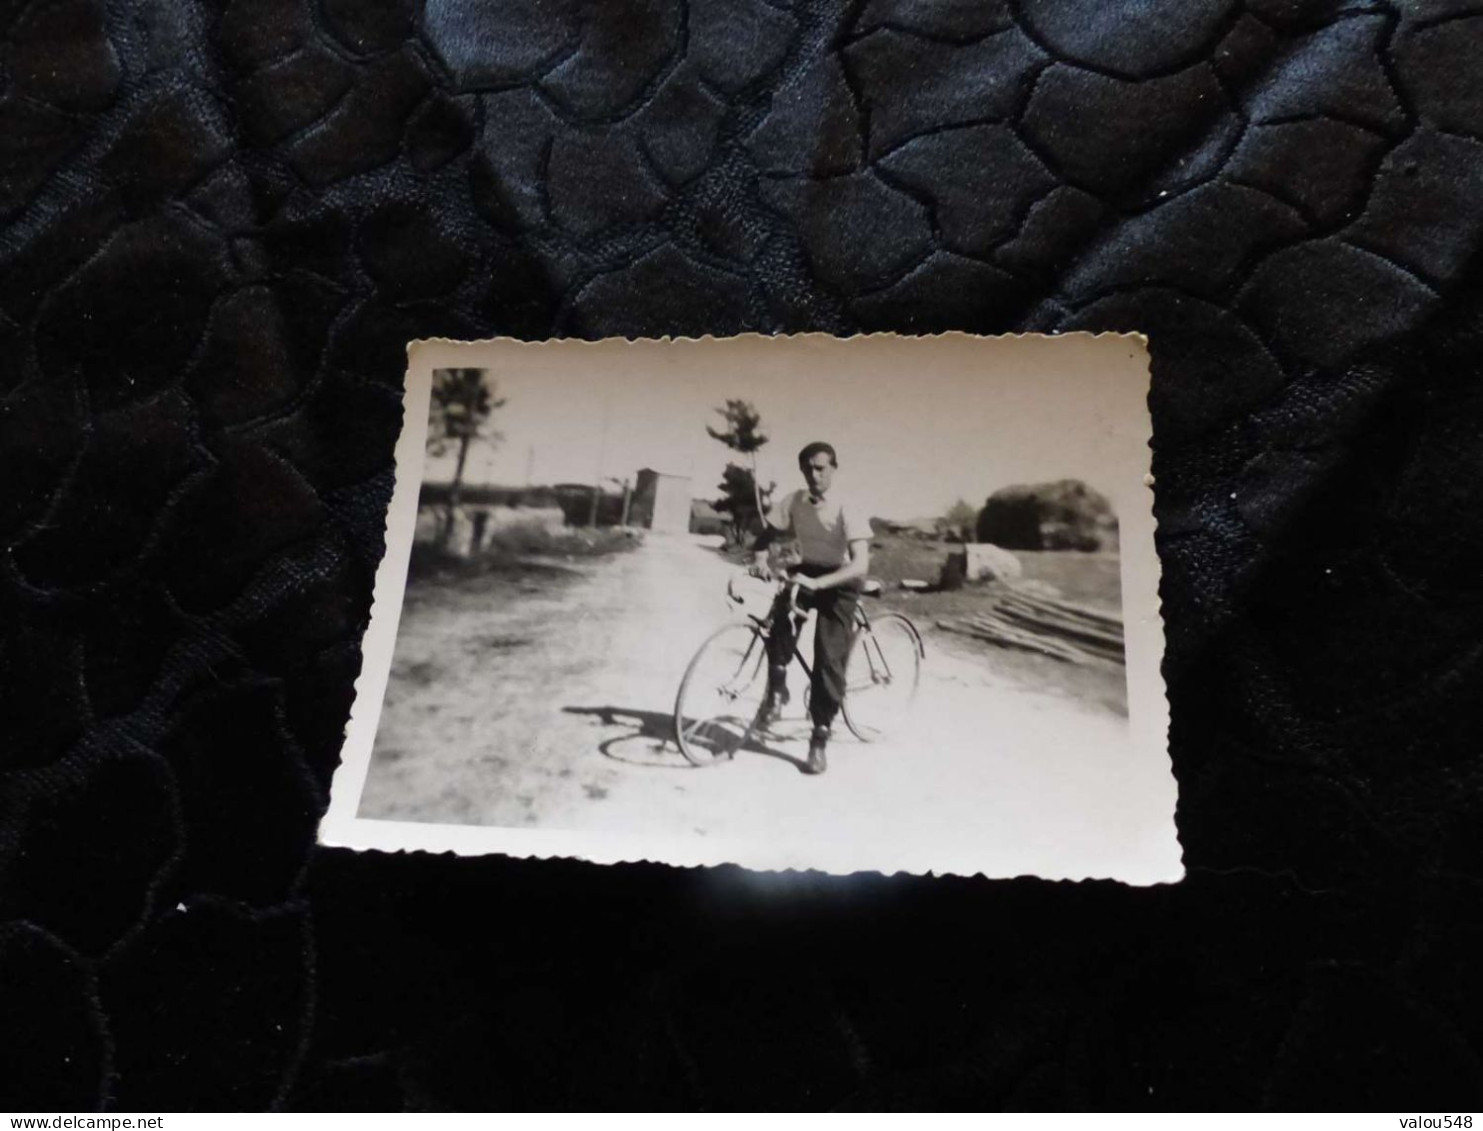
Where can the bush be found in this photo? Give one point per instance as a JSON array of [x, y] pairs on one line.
[[517, 542], [1064, 515], [514, 548], [574, 500]]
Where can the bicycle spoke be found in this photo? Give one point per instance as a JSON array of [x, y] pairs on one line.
[[881, 680], [721, 694]]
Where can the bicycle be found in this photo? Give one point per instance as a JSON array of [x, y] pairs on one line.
[[721, 693]]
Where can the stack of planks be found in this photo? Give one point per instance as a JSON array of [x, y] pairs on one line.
[[1048, 625]]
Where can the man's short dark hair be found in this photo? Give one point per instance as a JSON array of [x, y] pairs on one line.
[[808, 453]]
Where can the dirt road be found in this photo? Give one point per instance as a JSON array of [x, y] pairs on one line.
[[541, 703]]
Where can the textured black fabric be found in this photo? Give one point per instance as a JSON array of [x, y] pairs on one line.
[[222, 223]]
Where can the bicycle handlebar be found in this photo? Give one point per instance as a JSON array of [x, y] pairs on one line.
[[780, 584]]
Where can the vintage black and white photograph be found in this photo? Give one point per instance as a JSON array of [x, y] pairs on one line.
[[877, 603]]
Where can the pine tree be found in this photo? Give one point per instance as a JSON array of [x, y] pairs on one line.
[[742, 496]]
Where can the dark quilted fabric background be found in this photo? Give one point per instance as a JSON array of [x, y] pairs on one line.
[[221, 224]]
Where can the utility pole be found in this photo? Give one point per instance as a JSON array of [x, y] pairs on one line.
[[627, 498]]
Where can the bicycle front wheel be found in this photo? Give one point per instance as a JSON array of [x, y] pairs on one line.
[[882, 677], [721, 694]]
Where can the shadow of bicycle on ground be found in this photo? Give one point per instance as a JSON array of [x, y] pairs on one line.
[[649, 739]]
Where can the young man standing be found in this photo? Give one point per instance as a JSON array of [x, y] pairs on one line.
[[834, 541]]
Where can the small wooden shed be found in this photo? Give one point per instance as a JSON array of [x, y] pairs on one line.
[[661, 501]]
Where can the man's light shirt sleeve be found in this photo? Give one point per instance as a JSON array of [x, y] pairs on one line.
[[856, 523]]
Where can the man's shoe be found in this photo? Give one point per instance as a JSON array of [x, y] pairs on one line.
[[817, 763]]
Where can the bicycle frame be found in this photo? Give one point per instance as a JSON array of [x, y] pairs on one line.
[[862, 625], [763, 632], [739, 680]]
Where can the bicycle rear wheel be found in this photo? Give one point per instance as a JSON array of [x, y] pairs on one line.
[[721, 693], [882, 676]]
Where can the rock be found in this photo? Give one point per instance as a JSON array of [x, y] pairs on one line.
[[1064, 515], [987, 562], [546, 518], [977, 562]]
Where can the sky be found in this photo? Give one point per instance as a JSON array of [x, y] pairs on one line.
[[915, 429]]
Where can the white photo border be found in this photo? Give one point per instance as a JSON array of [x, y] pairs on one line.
[[1132, 498]]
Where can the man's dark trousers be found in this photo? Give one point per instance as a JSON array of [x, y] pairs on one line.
[[834, 632]]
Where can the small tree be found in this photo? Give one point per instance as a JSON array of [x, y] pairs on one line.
[[742, 496], [741, 499], [462, 402], [960, 519]]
